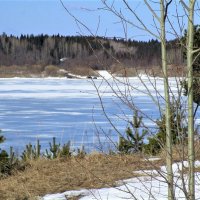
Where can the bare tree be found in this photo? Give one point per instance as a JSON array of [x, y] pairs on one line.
[[168, 114], [190, 41], [161, 35]]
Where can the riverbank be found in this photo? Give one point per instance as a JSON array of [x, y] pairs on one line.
[[96, 170]]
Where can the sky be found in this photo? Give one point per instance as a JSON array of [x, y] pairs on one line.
[[50, 17]]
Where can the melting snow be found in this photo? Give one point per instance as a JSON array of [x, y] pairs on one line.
[[144, 187], [104, 74]]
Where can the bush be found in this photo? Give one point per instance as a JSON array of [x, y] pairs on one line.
[[56, 151], [65, 150], [31, 152], [9, 163]]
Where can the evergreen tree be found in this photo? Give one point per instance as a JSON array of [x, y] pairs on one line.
[[134, 140], [2, 139], [196, 68], [178, 131]]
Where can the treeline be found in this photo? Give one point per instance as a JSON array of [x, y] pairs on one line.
[[96, 52]]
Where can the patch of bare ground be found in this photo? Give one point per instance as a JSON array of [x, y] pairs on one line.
[[59, 175], [74, 198]]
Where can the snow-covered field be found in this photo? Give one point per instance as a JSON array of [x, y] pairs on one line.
[[69, 109]]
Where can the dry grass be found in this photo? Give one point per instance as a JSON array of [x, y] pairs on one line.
[[52, 176], [119, 70], [29, 71], [93, 171], [42, 71], [20, 71], [180, 152], [155, 71], [82, 71], [51, 70], [85, 70]]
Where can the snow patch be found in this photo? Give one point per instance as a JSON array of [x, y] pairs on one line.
[[64, 195], [152, 159], [105, 74], [148, 186]]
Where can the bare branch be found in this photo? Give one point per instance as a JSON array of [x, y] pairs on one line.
[[144, 27], [196, 50], [184, 5], [166, 9], [152, 11]]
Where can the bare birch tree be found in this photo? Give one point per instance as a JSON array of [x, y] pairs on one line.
[[161, 36], [190, 41], [163, 9]]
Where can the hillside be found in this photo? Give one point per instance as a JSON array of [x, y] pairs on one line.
[[83, 52]]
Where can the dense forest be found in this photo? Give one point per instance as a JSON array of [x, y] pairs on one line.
[[94, 52]]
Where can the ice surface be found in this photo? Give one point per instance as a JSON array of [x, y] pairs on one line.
[[68, 109]]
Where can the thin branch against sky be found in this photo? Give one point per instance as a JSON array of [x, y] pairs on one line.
[[42, 17]]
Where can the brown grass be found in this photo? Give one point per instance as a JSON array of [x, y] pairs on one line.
[[155, 71], [21, 71], [52, 176], [180, 152], [42, 71], [82, 71], [85, 70]]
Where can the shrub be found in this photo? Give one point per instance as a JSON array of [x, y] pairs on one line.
[[9, 163], [31, 152], [66, 150], [54, 149]]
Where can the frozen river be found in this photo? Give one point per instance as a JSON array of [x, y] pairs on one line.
[[69, 109]]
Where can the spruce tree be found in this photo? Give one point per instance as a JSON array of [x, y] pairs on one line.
[[134, 136], [195, 66], [178, 130]]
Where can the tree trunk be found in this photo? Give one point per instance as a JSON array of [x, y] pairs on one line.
[[167, 104], [190, 38]]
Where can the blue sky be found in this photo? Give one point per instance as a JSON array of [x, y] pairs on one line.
[[49, 17]]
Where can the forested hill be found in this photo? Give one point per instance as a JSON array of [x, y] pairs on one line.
[[96, 52]]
